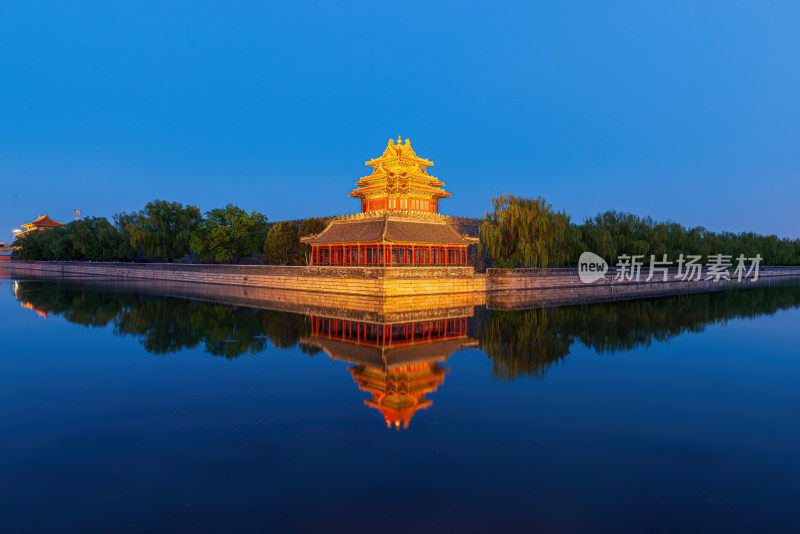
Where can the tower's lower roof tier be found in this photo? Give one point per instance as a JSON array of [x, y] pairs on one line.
[[393, 227]]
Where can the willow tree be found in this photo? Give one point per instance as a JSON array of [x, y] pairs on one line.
[[127, 223], [526, 231], [164, 229]]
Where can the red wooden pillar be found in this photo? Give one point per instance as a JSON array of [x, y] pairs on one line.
[[358, 253], [445, 256]]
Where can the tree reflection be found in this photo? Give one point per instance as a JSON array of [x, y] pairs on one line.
[[529, 342], [165, 324], [518, 343]]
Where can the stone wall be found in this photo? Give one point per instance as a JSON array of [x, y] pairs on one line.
[[365, 281], [389, 310], [546, 297], [523, 279], [399, 292]]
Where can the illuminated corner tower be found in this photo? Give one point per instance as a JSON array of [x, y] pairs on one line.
[[399, 224]]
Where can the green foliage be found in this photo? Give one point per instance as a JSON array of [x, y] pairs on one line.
[[93, 239], [308, 227], [127, 223], [96, 239], [522, 231], [282, 245], [526, 231], [40, 245], [613, 233], [164, 229], [226, 234]]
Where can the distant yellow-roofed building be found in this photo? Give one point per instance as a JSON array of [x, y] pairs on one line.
[[42, 223]]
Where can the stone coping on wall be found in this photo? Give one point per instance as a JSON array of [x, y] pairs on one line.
[[377, 282], [317, 271]]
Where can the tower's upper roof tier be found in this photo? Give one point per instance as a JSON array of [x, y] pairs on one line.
[[399, 154], [399, 171]]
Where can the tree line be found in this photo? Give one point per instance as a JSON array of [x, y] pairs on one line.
[[529, 232], [518, 231], [169, 231]]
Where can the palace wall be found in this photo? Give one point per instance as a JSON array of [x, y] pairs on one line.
[[364, 281], [380, 294]]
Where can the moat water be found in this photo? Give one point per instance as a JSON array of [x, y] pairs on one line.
[[125, 411]]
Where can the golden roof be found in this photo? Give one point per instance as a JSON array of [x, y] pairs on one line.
[[42, 222], [399, 172], [399, 153]]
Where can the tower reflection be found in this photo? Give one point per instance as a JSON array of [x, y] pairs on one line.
[[398, 364]]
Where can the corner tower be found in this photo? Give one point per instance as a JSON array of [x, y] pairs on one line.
[[399, 224]]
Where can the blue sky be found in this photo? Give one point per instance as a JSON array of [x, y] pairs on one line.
[[680, 110]]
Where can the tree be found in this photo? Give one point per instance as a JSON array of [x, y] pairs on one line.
[[127, 224], [96, 239], [226, 234], [526, 231], [164, 229], [38, 245], [308, 227], [283, 244]]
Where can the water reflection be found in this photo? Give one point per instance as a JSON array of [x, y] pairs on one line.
[[165, 325], [400, 364], [527, 343]]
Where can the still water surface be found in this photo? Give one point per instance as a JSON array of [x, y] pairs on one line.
[[127, 411]]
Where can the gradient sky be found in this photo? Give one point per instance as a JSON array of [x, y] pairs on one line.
[[681, 110]]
